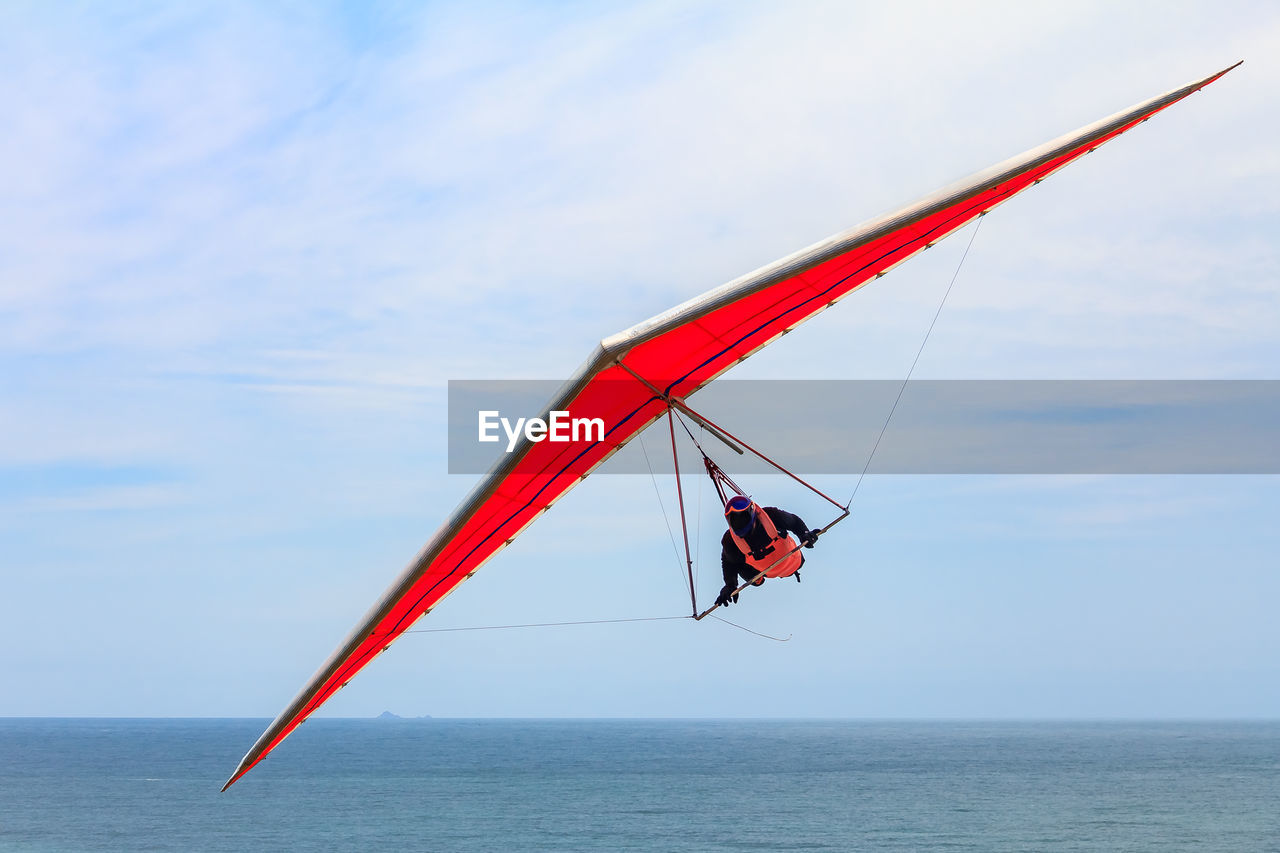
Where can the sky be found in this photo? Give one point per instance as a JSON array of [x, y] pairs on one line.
[[244, 247]]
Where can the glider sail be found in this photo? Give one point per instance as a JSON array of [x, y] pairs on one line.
[[629, 377]]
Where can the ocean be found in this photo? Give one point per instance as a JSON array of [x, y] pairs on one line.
[[669, 785]]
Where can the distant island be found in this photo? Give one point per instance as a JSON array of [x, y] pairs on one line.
[[387, 715]]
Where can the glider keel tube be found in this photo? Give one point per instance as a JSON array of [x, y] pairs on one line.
[[677, 352]]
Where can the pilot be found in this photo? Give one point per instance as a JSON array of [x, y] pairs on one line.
[[758, 540]]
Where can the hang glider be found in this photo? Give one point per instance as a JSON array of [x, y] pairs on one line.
[[634, 378]]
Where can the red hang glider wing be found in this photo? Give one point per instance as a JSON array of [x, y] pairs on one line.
[[677, 353]]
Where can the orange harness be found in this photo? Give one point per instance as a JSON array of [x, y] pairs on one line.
[[779, 543]]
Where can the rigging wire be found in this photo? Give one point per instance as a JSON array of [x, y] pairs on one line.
[[919, 352], [591, 622], [544, 624], [749, 631], [667, 521]]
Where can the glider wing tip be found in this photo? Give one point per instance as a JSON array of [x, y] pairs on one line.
[[1231, 67], [235, 777], [1217, 75]]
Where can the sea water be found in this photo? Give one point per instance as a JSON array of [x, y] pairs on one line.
[[464, 785]]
